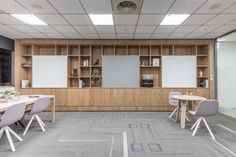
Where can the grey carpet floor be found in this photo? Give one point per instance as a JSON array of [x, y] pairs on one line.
[[101, 134]]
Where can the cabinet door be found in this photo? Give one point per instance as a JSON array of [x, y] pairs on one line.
[[203, 92], [78, 97]]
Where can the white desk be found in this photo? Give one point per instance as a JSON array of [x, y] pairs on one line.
[[25, 98], [183, 106]]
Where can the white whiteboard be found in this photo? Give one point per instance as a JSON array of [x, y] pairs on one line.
[[179, 71], [120, 71], [49, 72]]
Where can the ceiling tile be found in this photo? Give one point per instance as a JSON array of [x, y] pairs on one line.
[[69, 7], [215, 6], [44, 29], [142, 36], [230, 10], [159, 36], [65, 29], [73, 36], [37, 6], [150, 19], [194, 36], [105, 29], [185, 29], [221, 19], [124, 36], [37, 35], [156, 6], [55, 19], [185, 6], [7, 19], [55, 35], [85, 29], [11, 6], [165, 29], [127, 19], [24, 28], [210, 36], [12, 33], [93, 6], [198, 19], [145, 29], [78, 19], [176, 36], [125, 29], [232, 22], [225, 29], [205, 29], [107, 36], [90, 36]]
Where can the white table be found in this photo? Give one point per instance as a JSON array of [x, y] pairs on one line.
[[183, 102], [28, 100]]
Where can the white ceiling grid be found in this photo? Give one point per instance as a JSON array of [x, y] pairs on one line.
[[68, 19]]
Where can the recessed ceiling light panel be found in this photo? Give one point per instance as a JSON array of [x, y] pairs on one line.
[[102, 19], [174, 19], [29, 19]]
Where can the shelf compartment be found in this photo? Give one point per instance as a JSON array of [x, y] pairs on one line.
[[73, 63], [108, 50], [85, 50], [86, 81], [73, 50], [156, 72], [73, 82], [167, 49], [120, 50], [44, 49], [202, 49], [133, 50], [184, 50], [155, 50], [96, 55], [145, 61], [144, 50], [26, 50], [85, 61], [61, 49]]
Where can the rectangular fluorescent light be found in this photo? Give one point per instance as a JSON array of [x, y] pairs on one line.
[[29, 19], [102, 19], [174, 19]]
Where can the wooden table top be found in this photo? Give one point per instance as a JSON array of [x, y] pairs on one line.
[[188, 97]]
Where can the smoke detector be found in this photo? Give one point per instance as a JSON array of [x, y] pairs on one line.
[[127, 6]]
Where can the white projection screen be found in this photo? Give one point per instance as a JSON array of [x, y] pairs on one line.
[[179, 71], [120, 71], [49, 72]]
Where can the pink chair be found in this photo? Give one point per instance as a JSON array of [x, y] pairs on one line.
[[39, 106], [173, 102], [10, 116], [206, 108]]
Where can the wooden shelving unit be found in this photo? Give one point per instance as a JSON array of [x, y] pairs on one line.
[[85, 60]]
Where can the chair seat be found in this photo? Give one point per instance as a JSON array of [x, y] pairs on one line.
[[192, 112]]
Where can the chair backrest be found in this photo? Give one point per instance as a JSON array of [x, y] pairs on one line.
[[173, 101], [13, 114], [40, 105], [207, 108]]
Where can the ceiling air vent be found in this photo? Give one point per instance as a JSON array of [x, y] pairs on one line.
[[127, 6]]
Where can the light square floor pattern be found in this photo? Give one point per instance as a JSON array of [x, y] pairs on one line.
[[102, 134]]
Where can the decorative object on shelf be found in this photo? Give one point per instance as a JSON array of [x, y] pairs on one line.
[[81, 83], [26, 65], [204, 83], [63, 51], [96, 62], [143, 63], [147, 80], [200, 73], [156, 62], [24, 83], [96, 75], [75, 72], [86, 63]]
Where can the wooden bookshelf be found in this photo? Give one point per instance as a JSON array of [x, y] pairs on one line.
[[83, 54]]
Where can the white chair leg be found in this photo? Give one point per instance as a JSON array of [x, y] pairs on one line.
[[14, 134], [187, 118], [208, 128], [195, 130], [195, 124], [28, 125], [39, 121], [173, 113], [1, 132], [9, 139]]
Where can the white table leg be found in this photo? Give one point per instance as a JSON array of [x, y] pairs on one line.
[[183, 114]]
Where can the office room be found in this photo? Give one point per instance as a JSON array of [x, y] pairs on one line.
[[117, 78]]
